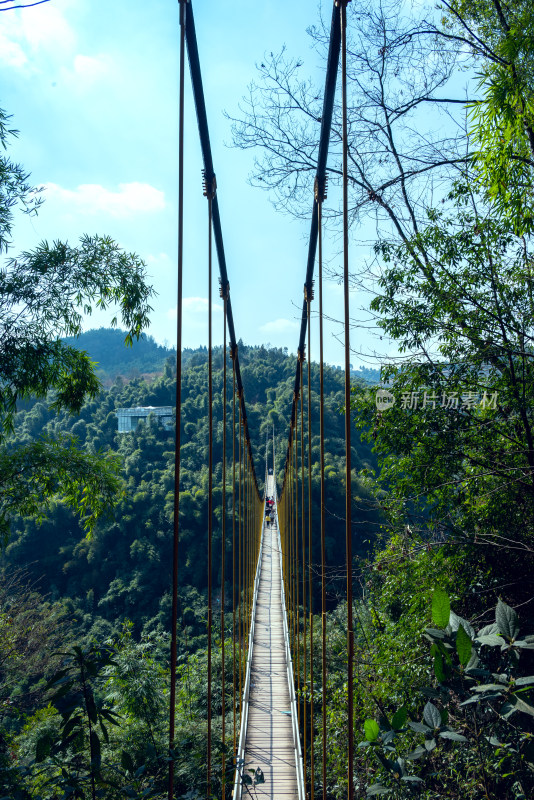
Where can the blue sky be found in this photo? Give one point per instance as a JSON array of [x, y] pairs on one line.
[[93, 85]]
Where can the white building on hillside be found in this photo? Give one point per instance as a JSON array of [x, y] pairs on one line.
[[129, 418]]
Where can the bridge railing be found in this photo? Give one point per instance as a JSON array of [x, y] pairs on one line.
[[240, 755], [301, 786]]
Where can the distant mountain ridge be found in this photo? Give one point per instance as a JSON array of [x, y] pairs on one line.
[[366, 374], [146, 358]]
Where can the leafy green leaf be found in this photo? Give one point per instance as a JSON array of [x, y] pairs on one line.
[[417, 753], [431, 715], [399, 718], [104, 731], [487, 629], [72, 723], [111, 716], [399, 768], [491, 639], [418, 727], [91, 707], [377, 788], [520, 705], [473, 699], [441, 608], [490, 687], [435, 633], [473, 663], [463, 645], [127, 761], [371, 730], [507, 709], [439, 669], [455, 622], [453, 736], [506, 620]]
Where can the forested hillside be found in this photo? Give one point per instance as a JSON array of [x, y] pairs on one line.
[[144, 358], [114, 586], [122, 572]]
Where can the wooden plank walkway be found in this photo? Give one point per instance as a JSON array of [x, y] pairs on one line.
[[269, 736]]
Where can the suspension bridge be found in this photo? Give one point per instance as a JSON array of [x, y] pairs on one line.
[[270, 749]]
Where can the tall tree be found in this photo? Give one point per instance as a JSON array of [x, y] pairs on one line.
[[453, 284], [412, 74], [43, 295]]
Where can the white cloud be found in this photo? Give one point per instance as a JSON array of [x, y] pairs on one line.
[[92, 198], [156, 259], [91, 68], [193, 306], [44, 31], [46, 28], [280, 326], [43, 41], [11, 53]]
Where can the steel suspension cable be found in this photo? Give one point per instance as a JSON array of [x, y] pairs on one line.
[[348, 493], [274, 467], [251, 548], [291, 559], [247, 550], [323, 533], [209, 192], [233, 554], [324, 139], [176, 504], [224, 295], [290, 537], [240, 588], [245, 565], [203, 130], [303, 528], [297, 593], [309, 297], [293, 544]]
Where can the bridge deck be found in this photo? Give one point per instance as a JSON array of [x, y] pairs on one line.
[[269, 736]]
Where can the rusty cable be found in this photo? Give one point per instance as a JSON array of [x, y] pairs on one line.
[[309, 297], [303, 528], [348, 503], [176, 502], [323, 533], [224, 292], [209, 192], [233, 554], [240, 554], [297, 593]]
